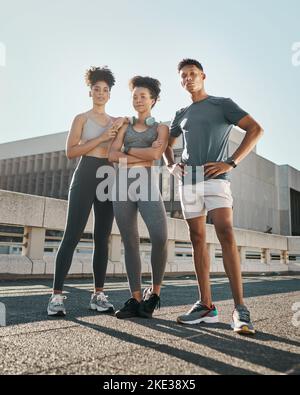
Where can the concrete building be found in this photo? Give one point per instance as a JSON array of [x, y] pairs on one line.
[[266, 196]]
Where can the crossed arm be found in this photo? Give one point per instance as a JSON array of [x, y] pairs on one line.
[[136, 155]]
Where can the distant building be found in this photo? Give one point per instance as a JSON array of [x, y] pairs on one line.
[[266, 196]]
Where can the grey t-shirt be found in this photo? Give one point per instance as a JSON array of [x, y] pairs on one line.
[[205, 126]]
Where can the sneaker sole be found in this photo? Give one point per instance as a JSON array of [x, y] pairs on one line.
[[145, 315], [126, 316], [206, 320], [56, 314], [100, 309], [243, 330]]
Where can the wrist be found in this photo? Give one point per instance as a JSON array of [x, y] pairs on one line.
[[231, 162], [170, 164]]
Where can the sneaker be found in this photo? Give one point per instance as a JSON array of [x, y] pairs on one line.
[[149, 303], [130, 309], [241, 322], [56, 306], [199, 313], [100, 303]]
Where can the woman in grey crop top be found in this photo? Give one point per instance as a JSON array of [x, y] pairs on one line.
[[90, 135], [146, 140]]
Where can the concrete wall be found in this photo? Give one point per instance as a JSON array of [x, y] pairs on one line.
[[37, 214], [288, 178], [254, 186]]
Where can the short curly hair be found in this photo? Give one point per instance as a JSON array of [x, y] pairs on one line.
[[96, 74], [189, 62], [146, 82]]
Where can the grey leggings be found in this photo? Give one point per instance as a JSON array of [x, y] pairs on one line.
[[82, 196], [154, 215]]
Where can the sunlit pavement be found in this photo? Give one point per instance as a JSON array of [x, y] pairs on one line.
[[90, 343]]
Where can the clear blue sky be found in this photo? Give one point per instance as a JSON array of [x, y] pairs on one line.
[[245, 47]]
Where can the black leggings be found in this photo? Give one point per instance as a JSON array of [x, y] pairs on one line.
[[82, 196]]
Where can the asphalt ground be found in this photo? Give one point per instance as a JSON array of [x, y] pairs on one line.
[[86, 342]]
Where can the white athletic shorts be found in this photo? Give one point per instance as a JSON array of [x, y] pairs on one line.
[[198, 199]]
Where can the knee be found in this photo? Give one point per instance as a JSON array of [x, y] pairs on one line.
[[159, 237], [226, 235], [69, 241], [130, 243], [100, 239], [197, 237], [159, 241]]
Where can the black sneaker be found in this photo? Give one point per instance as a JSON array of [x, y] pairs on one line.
[[149, 303], [130, 309]]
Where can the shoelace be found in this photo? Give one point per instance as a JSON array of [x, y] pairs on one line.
[[154, 301], [199, 306], [102, 297], [244, 315], [158, 304], [147, 293], [58, 300]]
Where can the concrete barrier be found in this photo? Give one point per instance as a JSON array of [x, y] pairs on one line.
[[274, 253]]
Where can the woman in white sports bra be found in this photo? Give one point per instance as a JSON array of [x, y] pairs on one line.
[[90, 137]]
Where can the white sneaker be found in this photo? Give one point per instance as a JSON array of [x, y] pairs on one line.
[[100, 303], [56, 305], [241, 322]]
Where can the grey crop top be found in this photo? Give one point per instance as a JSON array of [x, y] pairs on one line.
[[144, 139], [92, 129]]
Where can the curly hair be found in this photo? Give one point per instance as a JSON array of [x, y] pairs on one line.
[[96, 74], [146, 82], [189, 62]]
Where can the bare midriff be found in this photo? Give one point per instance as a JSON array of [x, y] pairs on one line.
[[101, 151], [141, 164]]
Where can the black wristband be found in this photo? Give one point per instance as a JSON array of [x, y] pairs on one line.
[[230, 161]]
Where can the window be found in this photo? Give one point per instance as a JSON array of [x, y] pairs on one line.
[[295, 212]]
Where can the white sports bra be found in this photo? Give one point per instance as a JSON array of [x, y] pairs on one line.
[[92, 130]]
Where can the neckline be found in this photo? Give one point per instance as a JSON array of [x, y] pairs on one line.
[[143, 131], [201, 101], [98, 124]]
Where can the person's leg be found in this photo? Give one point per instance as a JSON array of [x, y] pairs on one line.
[[154, 216], [126, 218], [223, 221], [194, 211], [81, 196], [197, 229], [203, 310], [103, 220]]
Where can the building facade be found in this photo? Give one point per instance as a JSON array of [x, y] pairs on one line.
[[266, 195]]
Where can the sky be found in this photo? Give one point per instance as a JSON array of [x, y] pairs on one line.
[[250, 51]]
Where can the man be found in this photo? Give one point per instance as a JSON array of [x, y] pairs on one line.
[[205, 126]]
